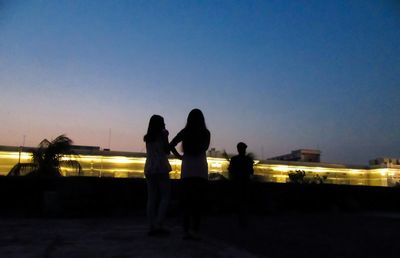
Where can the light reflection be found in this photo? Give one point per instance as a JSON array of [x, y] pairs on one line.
[[123, 166]]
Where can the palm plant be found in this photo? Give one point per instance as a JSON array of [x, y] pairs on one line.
[[49, 154]]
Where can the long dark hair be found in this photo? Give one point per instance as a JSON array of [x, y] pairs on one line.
[[195, 121], [196, 135], [154, 131]]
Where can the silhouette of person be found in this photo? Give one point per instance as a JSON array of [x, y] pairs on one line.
[[240, 169], [195, 138], [156, 171]]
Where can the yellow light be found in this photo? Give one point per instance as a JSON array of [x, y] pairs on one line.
[[175, 162], [121, 160], [280, 176], [106, 159], [216, 165], [126, 166], [282, 168], [15, 155]]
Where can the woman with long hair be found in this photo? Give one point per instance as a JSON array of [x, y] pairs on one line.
[[195, 138], [156, 170]]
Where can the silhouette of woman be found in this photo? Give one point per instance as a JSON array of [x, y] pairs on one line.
[[195, 138], [156, 171]]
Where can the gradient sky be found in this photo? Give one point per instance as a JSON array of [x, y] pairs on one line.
[[279, 75]]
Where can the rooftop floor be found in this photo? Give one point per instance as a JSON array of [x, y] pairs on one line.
[[288, 235]]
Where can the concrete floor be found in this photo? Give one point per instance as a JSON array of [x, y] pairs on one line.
[[274, 236], [75, 238]]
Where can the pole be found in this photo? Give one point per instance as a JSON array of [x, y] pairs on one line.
[[109, 139], [20, 149]]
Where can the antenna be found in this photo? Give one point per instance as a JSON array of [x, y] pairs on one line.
[[20, 149], [109, 138]]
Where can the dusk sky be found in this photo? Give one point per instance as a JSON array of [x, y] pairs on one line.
[[278, 75]]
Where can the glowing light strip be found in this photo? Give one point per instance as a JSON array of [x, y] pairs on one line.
[[289, 168], [123, 165], [15, 155]]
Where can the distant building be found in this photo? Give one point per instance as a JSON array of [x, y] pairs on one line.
[[388, 162], [85, 148], [105, 163], [304, 155], [214, 153]]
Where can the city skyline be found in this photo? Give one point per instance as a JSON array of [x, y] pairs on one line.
[[279, 76]]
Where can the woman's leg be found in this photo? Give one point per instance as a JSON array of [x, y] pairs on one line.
[[151, 201], [199, 197], [186, 204], [164, 186]]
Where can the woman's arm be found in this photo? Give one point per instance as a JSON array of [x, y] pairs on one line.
[[176, 153], [207, 140], [165, 143], [174, 142]]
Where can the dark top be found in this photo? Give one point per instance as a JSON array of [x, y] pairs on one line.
[[240, 167], [194, 143]]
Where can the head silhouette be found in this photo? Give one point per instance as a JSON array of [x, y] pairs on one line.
[[196, 135], [156, 126], [241, 148], [196, 120]]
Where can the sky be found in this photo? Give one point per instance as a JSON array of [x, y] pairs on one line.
[[278, 75]]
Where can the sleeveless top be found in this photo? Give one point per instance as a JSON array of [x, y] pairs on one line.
[[157, 156], [194, 160]]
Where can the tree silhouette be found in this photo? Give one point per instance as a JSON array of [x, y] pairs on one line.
[[48, 157]]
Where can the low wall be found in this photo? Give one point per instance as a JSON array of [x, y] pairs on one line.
[[103, 197]]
